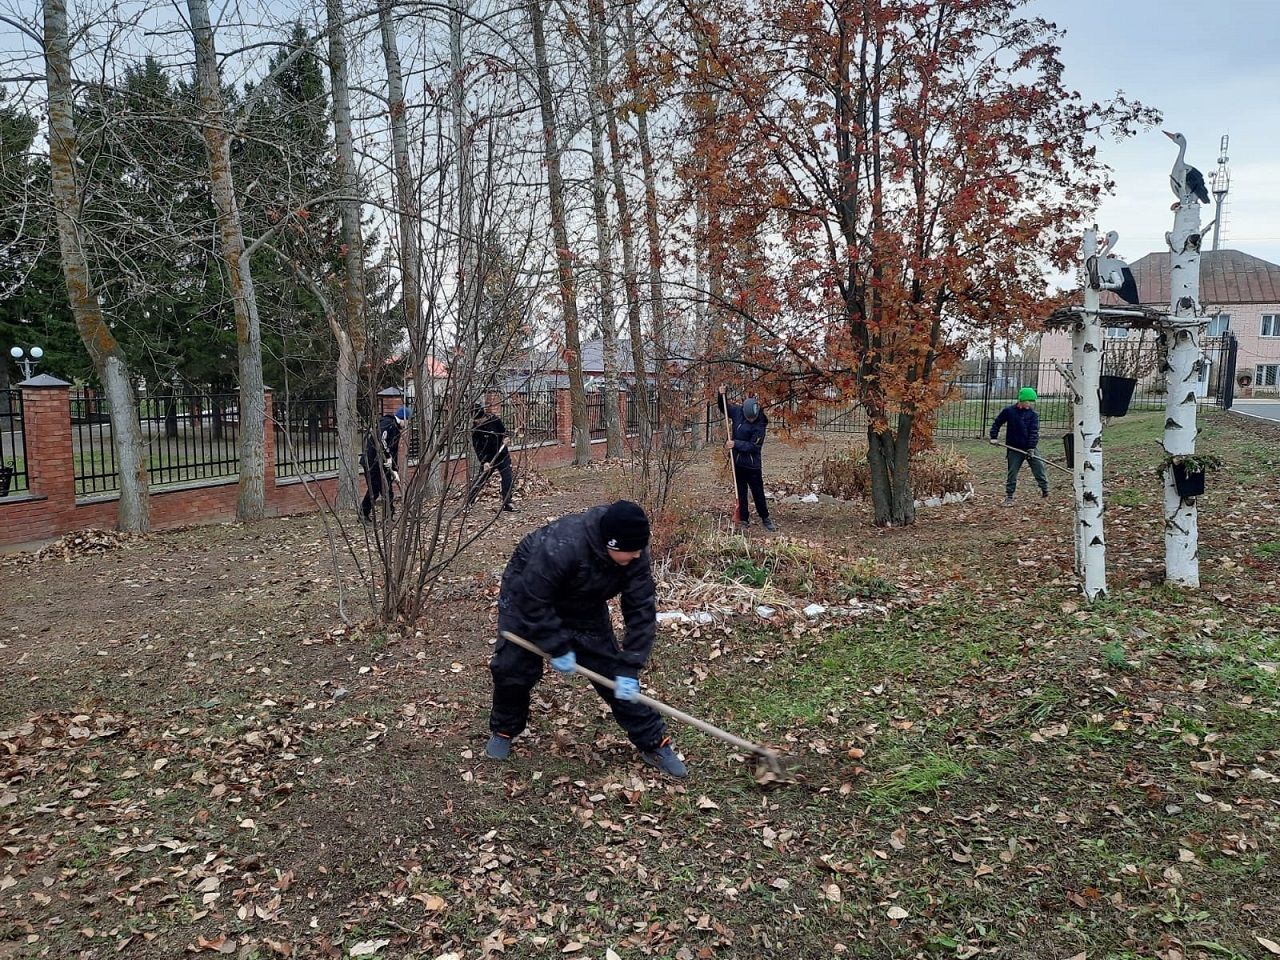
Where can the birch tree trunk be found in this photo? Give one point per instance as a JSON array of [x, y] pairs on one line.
[[134, 511], [626, 230], [560, 232], [1181, 334], [251, 502], [351, 347], [1086, 369], [604, 240]]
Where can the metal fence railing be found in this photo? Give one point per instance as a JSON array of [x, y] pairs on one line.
[[633, 410], [187, 437], [595, 415], [306, 437], [975, 398], [531, 416], [13, 444]]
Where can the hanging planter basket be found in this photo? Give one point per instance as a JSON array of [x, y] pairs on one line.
[[1069, 447], [1117, 393], [6, 478], [1189, 482]]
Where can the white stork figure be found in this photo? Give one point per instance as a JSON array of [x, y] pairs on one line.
[[1112, 273], [1184, 179]]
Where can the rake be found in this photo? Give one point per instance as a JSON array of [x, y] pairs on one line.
[[768, 770]]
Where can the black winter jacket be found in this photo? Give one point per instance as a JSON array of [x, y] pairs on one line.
[[556, 588], [748, 439], [1022, 427], [384, 443], [486, 439]]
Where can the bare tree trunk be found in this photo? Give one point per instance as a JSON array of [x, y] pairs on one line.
[[420, 339], [604, 242], [657, 307], [351, 347], [626, 228], [251, 503], [134, 512], [560, 231]]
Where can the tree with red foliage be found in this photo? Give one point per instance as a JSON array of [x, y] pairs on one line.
[[915, 167]]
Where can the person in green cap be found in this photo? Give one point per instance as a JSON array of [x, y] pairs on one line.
[[1021, 434]]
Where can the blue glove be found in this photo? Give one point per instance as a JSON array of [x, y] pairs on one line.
[[626, 688], [565, 663]]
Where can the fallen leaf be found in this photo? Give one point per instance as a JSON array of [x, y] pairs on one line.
[[1269, 945], [367, 948], [609, 954], [706, 803], [897, 913], [573, 946], [832, 892]]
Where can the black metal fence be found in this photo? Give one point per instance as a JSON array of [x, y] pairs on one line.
[[595, 415], [974, 397], [186, 437], [530, 416], [306, 437], [633, 410], [13, 444]]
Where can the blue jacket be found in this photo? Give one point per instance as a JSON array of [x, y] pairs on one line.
[[748, 439], [1022, 427]]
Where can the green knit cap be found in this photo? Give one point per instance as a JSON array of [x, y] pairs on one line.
[[1028, 394]]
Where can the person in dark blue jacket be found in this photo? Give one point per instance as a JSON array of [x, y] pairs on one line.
[[1021, 434], [748, 426]]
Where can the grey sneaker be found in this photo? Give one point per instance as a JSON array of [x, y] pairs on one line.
[[1044, 494], [498, 747], [665, 759], [1007, 502], [768, 525]]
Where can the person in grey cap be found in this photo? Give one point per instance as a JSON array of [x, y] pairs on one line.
[[555, 593], [746, 443]]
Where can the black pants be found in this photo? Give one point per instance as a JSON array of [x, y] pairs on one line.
[[378, 482], [516, 671], [753, 480], [503, 470]]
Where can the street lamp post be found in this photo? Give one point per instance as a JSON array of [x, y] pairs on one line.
[[27, 359]]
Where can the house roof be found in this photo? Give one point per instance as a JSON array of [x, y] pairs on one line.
[[1226, 277]]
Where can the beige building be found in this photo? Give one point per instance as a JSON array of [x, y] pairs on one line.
[[1240, 294]]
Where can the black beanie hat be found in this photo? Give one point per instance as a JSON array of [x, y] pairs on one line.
[[625, 527], [477, 411]]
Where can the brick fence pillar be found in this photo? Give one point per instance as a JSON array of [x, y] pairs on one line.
[[564, 418], [51, 472], [391, 399], [269, 442]]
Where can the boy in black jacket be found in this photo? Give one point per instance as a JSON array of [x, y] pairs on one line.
[[489, 440], [1022, 431], [748, 424], [555, 593], [381, 462]]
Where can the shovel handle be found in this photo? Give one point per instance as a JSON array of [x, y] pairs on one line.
[[658, 705], [1034, 456]]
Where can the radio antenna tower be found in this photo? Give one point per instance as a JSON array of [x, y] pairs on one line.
[[1221, 180]]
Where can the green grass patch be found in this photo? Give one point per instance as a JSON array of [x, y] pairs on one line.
[[911, 776]]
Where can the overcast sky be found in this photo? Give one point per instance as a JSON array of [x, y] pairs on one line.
[[1210, 68]]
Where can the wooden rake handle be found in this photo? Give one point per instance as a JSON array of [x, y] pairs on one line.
[[1035, 456], [662, 708]]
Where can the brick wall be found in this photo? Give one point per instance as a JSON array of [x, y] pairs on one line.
[[50, 508]]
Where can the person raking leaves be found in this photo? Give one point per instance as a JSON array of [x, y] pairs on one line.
[[489, 440], [746, 442], [555, 593], [1022, 433], [381, 460]]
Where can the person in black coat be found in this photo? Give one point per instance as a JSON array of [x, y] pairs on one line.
[[555, 593], [747, 430], [381, 461], [489, 440]]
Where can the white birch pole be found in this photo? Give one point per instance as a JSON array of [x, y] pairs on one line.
[[1086, 369], [1181, 334]]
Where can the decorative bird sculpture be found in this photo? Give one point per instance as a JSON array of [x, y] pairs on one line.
[[1112, 273], [1184, 177]]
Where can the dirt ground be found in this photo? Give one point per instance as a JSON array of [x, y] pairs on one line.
[[199, 758]]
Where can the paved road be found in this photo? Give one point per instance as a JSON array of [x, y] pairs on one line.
[[1268, 409]]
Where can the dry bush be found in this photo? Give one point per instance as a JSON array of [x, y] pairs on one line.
[[846, 475]]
